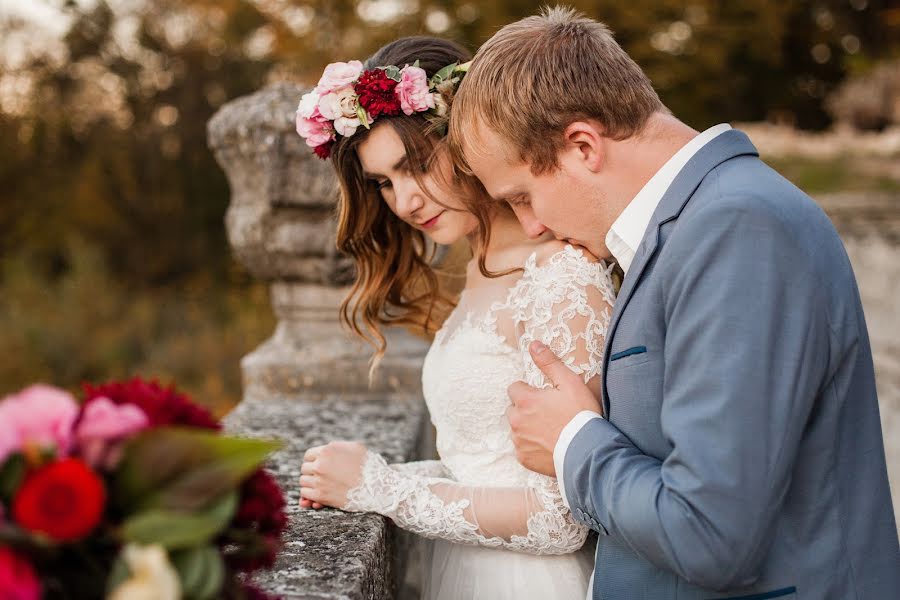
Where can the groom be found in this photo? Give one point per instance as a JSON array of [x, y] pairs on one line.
[[741, 453]]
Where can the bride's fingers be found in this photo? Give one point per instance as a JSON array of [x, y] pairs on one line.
[[308, 468], [308, 481], [310, 494], [312, 453]]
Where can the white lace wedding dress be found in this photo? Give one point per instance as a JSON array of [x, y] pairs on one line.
[[498, 530]]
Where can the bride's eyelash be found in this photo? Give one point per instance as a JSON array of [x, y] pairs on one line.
[[380, 185]]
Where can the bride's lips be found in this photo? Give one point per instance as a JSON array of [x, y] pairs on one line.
[[432, 221]]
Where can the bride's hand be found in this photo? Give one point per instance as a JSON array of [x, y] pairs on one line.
[[329, 472]]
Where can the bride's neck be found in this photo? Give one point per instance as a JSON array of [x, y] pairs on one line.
[[505, 232]]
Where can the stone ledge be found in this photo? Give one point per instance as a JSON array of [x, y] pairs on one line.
[[329, 554]]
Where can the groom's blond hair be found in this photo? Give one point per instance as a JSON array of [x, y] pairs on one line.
[[536, 76]]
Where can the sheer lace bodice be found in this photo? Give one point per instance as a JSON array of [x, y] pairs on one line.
[[478, 493]]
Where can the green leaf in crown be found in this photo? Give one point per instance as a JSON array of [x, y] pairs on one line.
[[392, 72], [443, 75]]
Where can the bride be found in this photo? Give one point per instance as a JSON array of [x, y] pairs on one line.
[[497, 529]]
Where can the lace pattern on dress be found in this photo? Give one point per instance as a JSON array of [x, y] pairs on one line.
[[564, 303]]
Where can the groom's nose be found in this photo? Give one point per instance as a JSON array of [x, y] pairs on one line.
[[533, 228]]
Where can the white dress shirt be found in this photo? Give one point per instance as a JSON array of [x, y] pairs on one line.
[[622, 240]]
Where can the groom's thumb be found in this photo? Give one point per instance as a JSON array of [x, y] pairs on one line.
[[550, 364]]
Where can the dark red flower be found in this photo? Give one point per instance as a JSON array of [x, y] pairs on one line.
[[323, 151], [376, 93], [262, 505], [261, 520], [251, 592], [64, 500], [163, 406]]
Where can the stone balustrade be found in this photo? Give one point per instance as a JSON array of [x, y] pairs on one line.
[[309, 383]]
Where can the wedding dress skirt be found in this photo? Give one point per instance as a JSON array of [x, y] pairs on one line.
[[455, 572]]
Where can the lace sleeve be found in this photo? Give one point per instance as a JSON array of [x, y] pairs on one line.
[[426, 468], [529, 519], [566, 303]]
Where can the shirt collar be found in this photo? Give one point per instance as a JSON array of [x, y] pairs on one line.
[[627, 231]]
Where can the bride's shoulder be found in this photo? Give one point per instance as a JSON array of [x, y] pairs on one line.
[[558, 252]]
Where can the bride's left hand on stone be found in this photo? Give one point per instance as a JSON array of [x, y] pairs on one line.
[[328, 472]]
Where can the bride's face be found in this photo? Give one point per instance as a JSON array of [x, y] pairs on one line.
[[385, 163]]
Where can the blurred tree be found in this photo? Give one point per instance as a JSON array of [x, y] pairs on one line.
[[103, 112]]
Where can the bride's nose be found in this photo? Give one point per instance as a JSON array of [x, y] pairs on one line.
[[409, 199]]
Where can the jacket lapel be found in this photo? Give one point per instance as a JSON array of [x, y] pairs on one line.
[[723, 147]]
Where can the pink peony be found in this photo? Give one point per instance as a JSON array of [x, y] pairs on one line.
[[315, 132], [41, 415], [103, 425], [413, 90], [339, 75], [17, 579]]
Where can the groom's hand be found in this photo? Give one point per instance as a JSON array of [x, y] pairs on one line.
[[538, 416]]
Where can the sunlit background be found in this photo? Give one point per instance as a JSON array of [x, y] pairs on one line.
[[113, 257]]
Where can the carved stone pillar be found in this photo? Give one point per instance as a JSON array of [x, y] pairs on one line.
[[281, 226]]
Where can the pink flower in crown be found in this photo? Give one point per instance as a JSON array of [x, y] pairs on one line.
[[104, 424], [312, 125], [41, 415], [315, 132], [339, 75], [412, 90]]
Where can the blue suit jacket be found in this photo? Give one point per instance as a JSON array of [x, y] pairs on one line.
[[742, 456]]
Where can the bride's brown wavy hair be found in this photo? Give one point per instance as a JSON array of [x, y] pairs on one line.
[[395, 282]]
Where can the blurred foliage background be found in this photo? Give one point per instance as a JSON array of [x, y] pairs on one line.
[[113, 257]]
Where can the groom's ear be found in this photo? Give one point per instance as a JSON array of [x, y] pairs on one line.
[[586, 140]]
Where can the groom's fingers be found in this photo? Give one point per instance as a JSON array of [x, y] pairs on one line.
[[551, 366]]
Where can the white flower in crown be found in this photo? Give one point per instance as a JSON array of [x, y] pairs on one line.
[[342, 107], [308, 104]]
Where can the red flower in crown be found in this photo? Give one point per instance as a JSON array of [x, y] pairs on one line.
[[323, 151], [376, 93], [64, 500]]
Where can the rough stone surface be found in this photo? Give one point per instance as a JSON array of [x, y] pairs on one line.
[[329, 554]]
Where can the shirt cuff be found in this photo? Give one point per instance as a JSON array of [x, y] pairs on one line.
[[562, 445]]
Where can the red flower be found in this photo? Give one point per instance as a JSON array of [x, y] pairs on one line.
[[163, 406], [323, 151], [376, 93], [249, 591], [17, 578], [64, 500], [262, 505], [261, 512]]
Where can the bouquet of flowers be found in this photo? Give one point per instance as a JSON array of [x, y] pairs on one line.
[[131, 494]]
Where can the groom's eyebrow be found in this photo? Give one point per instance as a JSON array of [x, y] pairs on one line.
[[507, 195]]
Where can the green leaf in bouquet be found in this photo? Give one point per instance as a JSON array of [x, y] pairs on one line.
[[178, 468], [175, 529], [12, 473], [201, 571]]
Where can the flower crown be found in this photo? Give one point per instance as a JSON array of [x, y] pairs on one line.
[[348, 97]]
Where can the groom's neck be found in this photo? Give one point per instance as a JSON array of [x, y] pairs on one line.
[[637, 159]]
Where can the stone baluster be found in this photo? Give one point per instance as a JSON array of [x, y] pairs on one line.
[[281, 226]]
